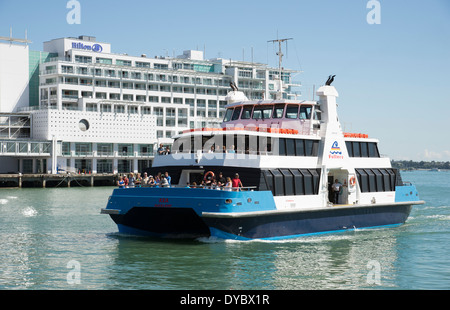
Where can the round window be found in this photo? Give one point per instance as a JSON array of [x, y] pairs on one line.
[[83, 125]]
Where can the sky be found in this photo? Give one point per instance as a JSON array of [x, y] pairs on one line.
[[391, 76]]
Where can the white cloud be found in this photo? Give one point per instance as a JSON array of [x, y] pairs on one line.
[[432, 155]]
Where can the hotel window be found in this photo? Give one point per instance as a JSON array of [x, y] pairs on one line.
[[105, 108], [98, 72], [153, 99], [140, 98], [104, 149], [83, 149], [83, 59], [142, 64], [120, 62], [125, 149], [67, 69], [107, 61], [110, 73], [146, 110], [161, 66], [128, 97], [178, 100], [91, 107], [114, 96], [119, 109], [132, 110], [86, 94], [201, 91], [165, 99]]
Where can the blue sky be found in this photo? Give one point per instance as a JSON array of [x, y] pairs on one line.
[[392, 77]]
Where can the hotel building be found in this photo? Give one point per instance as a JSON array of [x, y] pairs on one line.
[[78, 107]]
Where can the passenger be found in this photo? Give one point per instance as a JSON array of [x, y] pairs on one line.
[[121, 183], [228, 185], [224, 149], [131, 180], [231, 150], [145, 178], [158, 179], [167, 151], [164, 182], [125, 180], [168, 178], [151, 181], [336, 187], [194, 185], [138, 180], [211, 150], [221, 180], [236, 182], [161, 150]]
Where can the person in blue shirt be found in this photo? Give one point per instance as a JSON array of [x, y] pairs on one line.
[[168, 178]]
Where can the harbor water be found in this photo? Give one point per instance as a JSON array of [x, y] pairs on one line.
[[56, 238]]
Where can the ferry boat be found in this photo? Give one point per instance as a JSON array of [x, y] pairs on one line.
[[299, 173], [288, 155]]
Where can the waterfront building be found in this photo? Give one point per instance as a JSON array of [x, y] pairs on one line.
[[77, 107]]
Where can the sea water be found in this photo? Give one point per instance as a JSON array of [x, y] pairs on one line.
[[56, 238]]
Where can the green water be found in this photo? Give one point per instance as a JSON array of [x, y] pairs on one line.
[[57, 239]]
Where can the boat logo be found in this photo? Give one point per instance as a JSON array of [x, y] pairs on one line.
[[335, 152]]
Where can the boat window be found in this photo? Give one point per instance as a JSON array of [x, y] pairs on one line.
[[372, 180], [364, 151], [356, 150], [300, 147], [257, 113], [348, 144], [267, 112], [379, 180], [262, 112], [309, 147], [288, 182], [277, 182], [228, 114], [298, 182], [373, 150], [236, 113], [282, 146], [247, 112], [308, 182], [305, 112], [292, 111], [278, 111], [290, 147]]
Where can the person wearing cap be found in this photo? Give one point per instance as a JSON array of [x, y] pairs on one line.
[[236, 182]]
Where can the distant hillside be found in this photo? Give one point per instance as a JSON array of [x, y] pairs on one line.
[[409, 164]]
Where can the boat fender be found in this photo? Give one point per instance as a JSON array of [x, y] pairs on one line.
[[352, 181]]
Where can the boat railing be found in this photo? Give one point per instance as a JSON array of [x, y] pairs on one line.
[[221, 188]]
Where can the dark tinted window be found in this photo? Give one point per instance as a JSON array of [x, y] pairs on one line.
[[236, 113]]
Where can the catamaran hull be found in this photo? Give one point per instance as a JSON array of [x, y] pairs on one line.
[[186, 223], [281, 225]]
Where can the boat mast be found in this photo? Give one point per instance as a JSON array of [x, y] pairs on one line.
[[280, 59]]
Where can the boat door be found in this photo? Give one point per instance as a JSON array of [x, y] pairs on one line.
[[342, 177]]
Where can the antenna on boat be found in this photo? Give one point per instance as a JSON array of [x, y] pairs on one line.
[[280, 59]]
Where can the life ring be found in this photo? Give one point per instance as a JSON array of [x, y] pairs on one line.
[[207, 174], [352, 181]]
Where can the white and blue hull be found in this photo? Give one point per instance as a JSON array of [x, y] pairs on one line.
[[194, 213]]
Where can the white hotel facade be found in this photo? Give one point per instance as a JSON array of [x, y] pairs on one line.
[[78, 107]]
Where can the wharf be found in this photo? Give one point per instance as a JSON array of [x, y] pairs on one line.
[[57, 180]]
